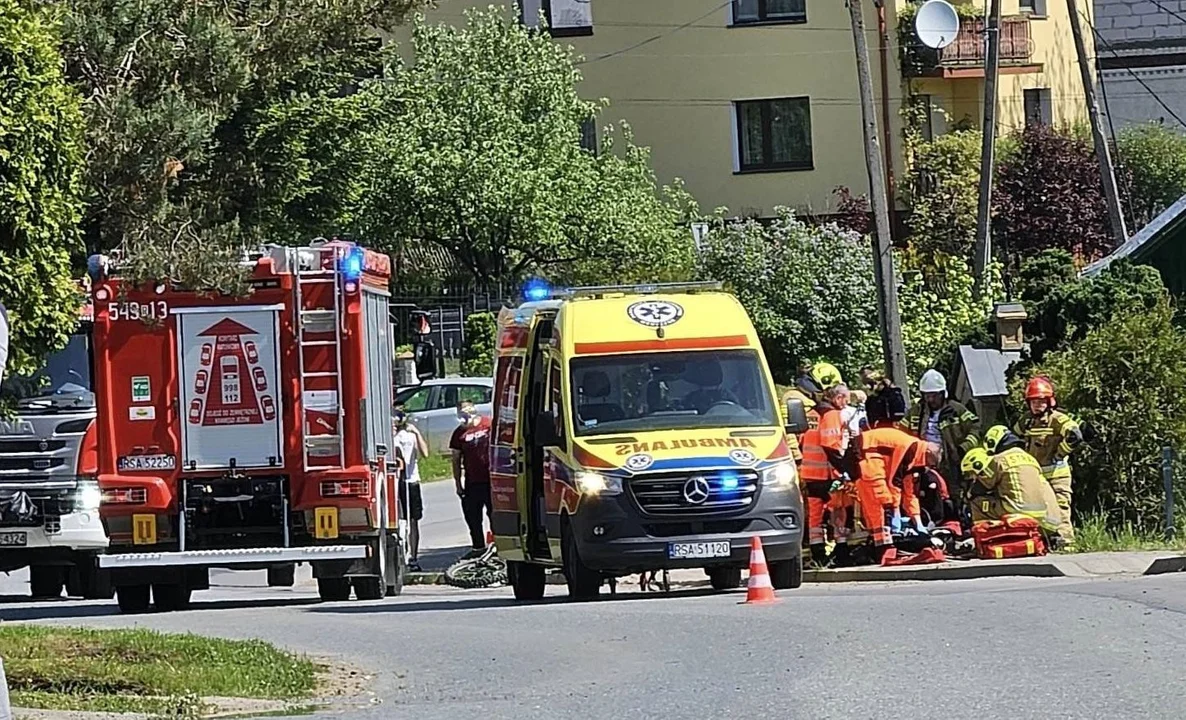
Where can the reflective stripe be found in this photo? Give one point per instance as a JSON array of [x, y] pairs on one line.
[[817, 536], [1060, 464]]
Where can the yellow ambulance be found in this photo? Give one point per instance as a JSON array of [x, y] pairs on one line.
[[635, 429]]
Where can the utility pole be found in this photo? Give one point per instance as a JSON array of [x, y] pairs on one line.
[[1102, 153], [983, 254], [887, 291]]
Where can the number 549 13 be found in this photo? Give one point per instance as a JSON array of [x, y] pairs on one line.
[[155, 310]]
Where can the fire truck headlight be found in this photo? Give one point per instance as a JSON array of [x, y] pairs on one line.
[[782, 475], [592, 483], [89, 496]]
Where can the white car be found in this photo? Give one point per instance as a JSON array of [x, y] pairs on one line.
[[432, 406]]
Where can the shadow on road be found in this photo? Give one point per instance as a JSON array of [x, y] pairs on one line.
[[480, 603], [437, 559], [66, 610]]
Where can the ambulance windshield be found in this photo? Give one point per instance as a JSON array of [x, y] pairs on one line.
[[670, 391], [66, 376]]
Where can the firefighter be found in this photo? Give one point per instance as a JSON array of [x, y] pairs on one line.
[[794, 442], [993, 437], [888, 455], [944, 424], [1051, 436], [1009, 483], [823, 462]]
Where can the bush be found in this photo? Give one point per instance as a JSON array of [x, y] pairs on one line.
[[1124, 378], [942, 187], [1155, 157], [477, 355], [808, 289]]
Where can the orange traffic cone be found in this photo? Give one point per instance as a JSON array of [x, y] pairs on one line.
[[759, 589]]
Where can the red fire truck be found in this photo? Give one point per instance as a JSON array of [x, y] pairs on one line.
[[250, 432]]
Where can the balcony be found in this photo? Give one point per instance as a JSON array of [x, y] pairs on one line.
[[965, 56]]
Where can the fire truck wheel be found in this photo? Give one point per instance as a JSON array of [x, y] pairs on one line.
[[369, 588], [96, 583], [786, 574], [282, 575], [333, 589], [170, 597], [583, 583], [45, 581], [528, 581], [132, 598], [396, 559]]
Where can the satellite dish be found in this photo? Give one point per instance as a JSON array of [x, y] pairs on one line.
[[936, 24]]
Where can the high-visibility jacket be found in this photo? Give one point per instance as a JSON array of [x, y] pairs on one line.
[[1050, 438], [958, 428], [1014, 479], [892, 454], [795, 441], [821, 444]]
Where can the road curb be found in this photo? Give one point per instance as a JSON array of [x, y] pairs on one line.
[[953, 571], [1161, 566]]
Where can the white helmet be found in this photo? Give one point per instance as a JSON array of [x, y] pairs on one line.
[[932, 382]]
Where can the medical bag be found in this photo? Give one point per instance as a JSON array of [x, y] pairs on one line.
[[1012, 536]]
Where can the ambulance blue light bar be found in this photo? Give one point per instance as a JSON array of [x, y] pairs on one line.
[[642, 289]]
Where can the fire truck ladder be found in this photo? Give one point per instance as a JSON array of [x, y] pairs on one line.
[[318, 266]]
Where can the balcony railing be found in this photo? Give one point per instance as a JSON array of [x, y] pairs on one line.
[[968, 50]]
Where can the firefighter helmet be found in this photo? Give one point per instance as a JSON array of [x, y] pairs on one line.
[[1039, 388], [975, 462], [826, 375], [932, 382], [993, 437]]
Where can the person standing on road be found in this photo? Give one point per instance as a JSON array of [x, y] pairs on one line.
[[944, 424], [410, 446], [1051, 436], [471, 470]]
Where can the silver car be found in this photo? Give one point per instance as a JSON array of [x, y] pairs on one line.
[[432, 406]]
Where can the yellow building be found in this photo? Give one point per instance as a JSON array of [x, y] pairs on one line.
[[754, 103]]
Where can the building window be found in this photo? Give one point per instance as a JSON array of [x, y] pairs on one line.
[[1033, 7], [565, 18], [774, 134], [1037, 107], [748, 12], [589, 135]]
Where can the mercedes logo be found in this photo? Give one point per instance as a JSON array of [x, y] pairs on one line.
[[696, 490], [43, 445]]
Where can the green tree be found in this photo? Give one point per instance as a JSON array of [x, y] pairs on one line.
[[478, 151], [41, 160], [1124, 377], [941, 190], [809, 290], [477, 355], [1155, 155], [198, 115]]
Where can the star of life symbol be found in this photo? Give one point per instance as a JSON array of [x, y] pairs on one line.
[[742, 457], [655, 313], [639, 461]]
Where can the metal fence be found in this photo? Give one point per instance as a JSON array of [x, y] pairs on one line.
[[446, 317]]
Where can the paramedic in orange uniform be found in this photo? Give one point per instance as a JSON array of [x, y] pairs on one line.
[[823, 464], [889, 457]]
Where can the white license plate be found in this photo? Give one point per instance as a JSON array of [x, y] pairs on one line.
[[12, 539], [697, 550], [147, 462]]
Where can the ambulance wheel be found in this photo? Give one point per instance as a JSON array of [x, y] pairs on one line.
[[46, 581], [282, 575], [787, 574], [333, 589], [132, 599], [584, 583], [170, 597], [724, 578], [528, 581]]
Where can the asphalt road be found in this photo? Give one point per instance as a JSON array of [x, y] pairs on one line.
[[1002, 648]]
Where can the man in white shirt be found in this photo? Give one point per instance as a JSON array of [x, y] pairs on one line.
[[409, 446]]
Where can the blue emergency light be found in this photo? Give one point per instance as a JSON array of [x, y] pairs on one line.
[[351, 263], [537, 290], [729, 482]]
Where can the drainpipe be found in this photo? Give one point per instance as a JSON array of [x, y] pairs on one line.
[[887, 132]]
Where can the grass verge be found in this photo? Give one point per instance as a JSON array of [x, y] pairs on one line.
[[1094, 535], [143, 671], [435, 467]]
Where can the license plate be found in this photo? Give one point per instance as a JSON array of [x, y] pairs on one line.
[[697, 550], [147, 462], [12, 539]]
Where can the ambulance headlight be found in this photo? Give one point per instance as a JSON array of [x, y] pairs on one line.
[[592, 483], [782, 475]]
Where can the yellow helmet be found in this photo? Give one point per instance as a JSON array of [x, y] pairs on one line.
[[993, 437], [975, 462], [826, 375]]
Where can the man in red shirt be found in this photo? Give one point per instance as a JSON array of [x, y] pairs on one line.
[[471, 469]]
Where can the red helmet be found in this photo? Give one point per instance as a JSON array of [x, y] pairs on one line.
[[1039, 388]]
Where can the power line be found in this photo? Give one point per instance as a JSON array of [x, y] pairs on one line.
[[660, 36]]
